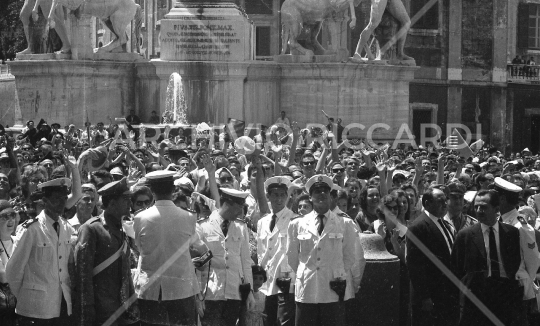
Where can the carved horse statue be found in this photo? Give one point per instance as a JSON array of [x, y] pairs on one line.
[[309, 16], [115, 14]]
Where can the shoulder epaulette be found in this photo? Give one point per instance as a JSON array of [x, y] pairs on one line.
[[202, 219], [298, 216], [342, 214], [241, 220], [29, 222], [93, 219], [189, 210]]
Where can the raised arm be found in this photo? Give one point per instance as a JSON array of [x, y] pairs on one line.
[[211, 170]]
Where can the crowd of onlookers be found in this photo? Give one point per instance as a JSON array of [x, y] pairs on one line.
[[380, 188]]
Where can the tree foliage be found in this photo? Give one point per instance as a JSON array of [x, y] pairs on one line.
[[12, 39]]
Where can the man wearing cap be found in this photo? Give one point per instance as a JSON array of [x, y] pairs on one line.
[[272, 252], [509, 198], [321, 251], [455, 216], [103, 280], [37, 272], [228, 239], [163, 235], [351, 305]]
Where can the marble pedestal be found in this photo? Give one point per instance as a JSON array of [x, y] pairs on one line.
[[256, 92], [73, 91]]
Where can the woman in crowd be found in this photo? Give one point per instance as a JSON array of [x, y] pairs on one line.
[[353, 188], [369, 207]]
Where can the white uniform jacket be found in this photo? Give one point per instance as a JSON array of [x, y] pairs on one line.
[[231, 260], [318, 260], [160, 232], [37, 271], [530, 257], [359, 262], [272, 250]]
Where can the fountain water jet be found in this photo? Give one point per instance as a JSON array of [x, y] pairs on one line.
[[175, 105]]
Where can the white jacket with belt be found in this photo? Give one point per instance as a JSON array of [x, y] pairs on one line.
[[231, 263], [272, 250], [319, 259]]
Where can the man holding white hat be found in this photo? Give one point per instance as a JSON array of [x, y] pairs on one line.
[[272, 252], [321, 250], [37, 272], [163, 235], [229, 270]]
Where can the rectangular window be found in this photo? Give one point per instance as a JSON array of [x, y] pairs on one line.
[[259, 7], [534, 26], [262, 39], [428, 20]]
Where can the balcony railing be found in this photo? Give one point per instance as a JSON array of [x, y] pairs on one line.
[[523, 73]]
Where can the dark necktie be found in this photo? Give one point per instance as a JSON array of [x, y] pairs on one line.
[[225, 227], [493, 256], [447, 233], [273, 222], [321, 223], [56, 228]]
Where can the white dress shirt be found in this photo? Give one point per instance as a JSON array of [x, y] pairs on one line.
[[485, 233], [436, 221]]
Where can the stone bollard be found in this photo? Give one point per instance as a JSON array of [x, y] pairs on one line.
[[377, 302]]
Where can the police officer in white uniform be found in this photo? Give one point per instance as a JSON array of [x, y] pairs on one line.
[[509, 198], [37, 271], [321, 250], [228, 239], [163, 235], [272, 253]]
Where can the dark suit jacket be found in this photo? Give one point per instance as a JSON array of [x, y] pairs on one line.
[[470, 260], [427, 280]]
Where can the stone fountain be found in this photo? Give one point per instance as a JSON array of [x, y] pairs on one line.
[[209, 43]]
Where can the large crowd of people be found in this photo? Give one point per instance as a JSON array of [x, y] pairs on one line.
[[116, 225]]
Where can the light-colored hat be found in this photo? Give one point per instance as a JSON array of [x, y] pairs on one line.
[[60, 182], [234, 195], [244, 145], [117, 171], [184, 181], [275, 182], [506, 185], [161, 175], [319, 180]]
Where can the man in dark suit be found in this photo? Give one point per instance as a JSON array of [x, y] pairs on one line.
[[486, 257], [434, 297]]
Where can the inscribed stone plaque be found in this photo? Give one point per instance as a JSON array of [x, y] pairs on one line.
[[206, 33]]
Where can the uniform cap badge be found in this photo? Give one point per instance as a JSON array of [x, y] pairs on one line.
[[531, 245]]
